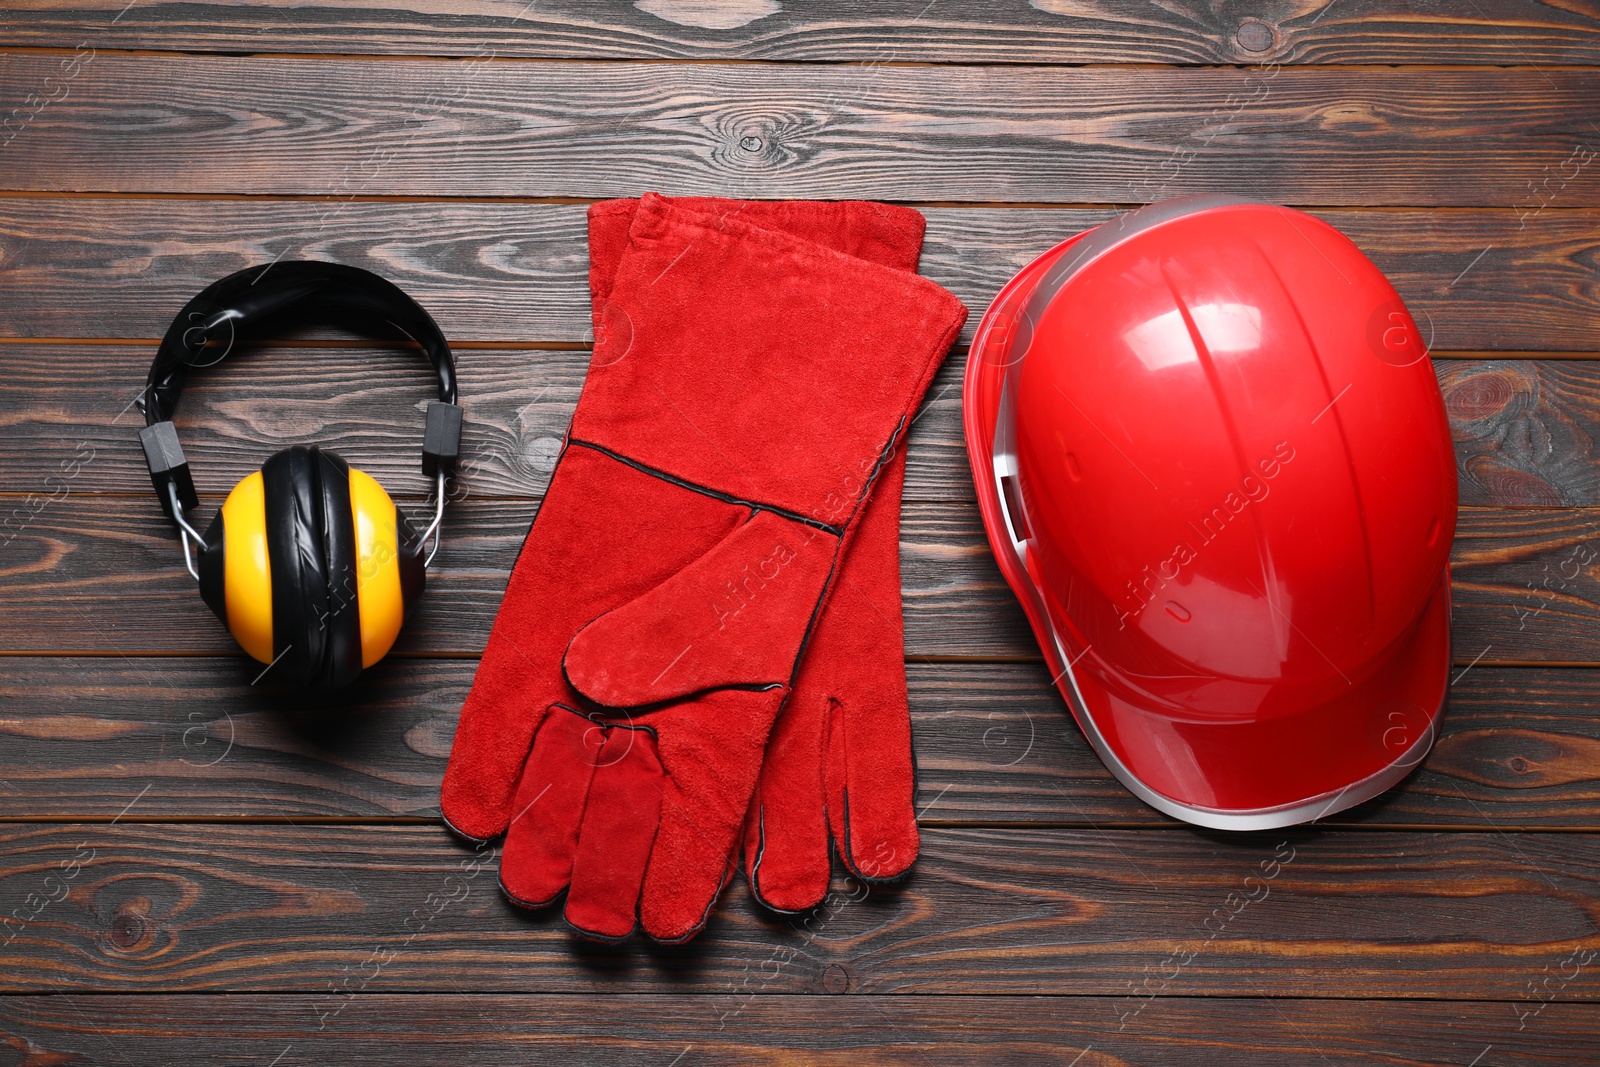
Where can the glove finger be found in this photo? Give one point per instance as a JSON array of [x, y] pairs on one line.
[[786, 834], [542, 839], [492, 742], [873, 807], [711, 753], [619, 825], [871, 769]]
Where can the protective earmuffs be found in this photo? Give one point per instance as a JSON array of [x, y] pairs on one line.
[[309, 562]]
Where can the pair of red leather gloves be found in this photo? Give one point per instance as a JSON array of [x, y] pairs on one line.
[[700, 645]]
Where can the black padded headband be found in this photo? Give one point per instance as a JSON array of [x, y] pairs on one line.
[[245, 299]]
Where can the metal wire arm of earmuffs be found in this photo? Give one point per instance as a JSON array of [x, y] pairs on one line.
[[243, 299], [433, 527], [185, 531]]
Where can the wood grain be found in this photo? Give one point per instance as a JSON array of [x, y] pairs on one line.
[[1524, 585], [93, 571], [881, 31], [1324, 136], [169, 831], [169, 907], [648, 1030], [1519, 748], [1512, 278], [1524, 429]]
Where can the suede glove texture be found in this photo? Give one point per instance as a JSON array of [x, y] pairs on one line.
[[747, 389], [839, 766]]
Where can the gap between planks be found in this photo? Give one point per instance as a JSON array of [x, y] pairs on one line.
[[733, 61], [957, 351], [582, 201], [1153, 824]]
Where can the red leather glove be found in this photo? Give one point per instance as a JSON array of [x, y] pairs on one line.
[[839, 762], [743, 396]]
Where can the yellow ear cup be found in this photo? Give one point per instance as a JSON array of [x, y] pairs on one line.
[[247, 573], [378, 595]]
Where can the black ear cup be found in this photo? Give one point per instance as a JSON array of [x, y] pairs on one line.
[[311, 545], [213, 589], [313, 567], [413, 560]]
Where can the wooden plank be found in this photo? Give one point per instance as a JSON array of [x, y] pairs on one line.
[[1524, 428], [74, 403], [1519, 748], [1524, 586], [1511, 278], [210, 908], [91, 573], [738, 1029], [1301, 135], [1513, 32], [88, 574]]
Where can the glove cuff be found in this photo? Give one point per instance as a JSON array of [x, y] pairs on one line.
[[756, 365]]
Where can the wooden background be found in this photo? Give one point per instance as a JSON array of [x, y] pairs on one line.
[[188, 874]]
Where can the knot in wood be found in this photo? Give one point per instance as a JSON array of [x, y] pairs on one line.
[[1254, 35]]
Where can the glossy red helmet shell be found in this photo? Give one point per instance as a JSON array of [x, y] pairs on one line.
[[1214, 465]]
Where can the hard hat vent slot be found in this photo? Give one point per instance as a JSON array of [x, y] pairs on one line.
[[1013, 495]]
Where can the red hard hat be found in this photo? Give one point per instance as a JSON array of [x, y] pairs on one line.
[[1214, 465]]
